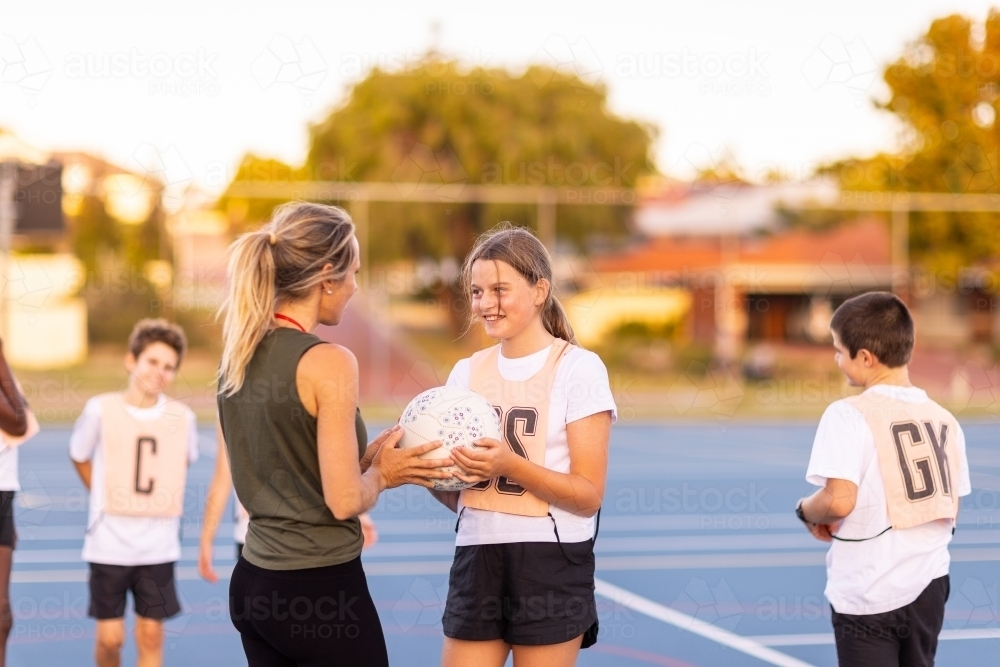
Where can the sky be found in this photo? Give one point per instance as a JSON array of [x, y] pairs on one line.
[[188, 87]]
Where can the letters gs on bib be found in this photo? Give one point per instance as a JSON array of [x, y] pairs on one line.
[[911, 430], [517, 423]]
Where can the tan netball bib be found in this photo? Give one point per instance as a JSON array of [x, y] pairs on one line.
[[523, 409], [145, 462], [917, 448]]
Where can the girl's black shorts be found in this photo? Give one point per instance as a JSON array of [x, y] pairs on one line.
[[526, 593]]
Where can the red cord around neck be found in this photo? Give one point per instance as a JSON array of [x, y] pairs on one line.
[[279, 316]]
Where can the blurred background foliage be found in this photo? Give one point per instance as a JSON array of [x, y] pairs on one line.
[[438, 122], [944, 89]]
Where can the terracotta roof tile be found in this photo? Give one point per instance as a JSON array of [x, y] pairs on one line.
[[866, 239]]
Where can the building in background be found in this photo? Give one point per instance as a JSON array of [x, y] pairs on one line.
[[752, 279], [43, 319], [199, 239]]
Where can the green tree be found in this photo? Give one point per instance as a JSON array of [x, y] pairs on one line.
[[438, 124], [94, 233], [944, 89], [114, 255]]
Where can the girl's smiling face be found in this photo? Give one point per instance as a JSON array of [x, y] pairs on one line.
[[502, 298]]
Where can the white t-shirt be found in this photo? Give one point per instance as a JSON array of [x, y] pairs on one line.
[[124, 540], [8, 467], [890, 571], [242, 522], [8, 462], [580, 389]]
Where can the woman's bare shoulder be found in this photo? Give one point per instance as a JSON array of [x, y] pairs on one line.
[[328, 360]]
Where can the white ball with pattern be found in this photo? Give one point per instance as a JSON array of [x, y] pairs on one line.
[[455, 416]]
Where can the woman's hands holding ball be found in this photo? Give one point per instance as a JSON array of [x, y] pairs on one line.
[[397, 466]]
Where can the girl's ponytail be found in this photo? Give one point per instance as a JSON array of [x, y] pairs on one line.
[[555, 320]]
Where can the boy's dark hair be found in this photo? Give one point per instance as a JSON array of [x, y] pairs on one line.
[[878, 322], [148, 331]]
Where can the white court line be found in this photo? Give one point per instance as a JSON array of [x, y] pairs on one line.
[[827, 637], [604, 563], [979, 633], [190, 573], [38, 556], [80, 575], [726, 524], [635, 559], [412, 568], [804, 639], [48, 576], [713, 561], [757, 560], [691, 624]]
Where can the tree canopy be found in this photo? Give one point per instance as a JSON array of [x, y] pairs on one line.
[[440, 123], [944, 89]]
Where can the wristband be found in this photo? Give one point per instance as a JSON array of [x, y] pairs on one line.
[[799, 513]]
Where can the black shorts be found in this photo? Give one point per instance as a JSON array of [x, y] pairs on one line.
[[905, 636], [152, 587], [526, 593], [8, 534]]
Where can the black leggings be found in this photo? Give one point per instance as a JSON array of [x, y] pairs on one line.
[[321, 616]]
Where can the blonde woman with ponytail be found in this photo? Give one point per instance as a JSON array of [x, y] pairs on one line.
[[288, 408], [523, 575]]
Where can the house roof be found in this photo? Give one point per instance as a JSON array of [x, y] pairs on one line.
[[14, 148], [722, 208], [862, 242]]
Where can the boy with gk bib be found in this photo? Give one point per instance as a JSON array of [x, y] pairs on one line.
[[891, 463], [131, 450]]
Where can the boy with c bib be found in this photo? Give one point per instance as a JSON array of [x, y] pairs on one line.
[[132, 450], [892, 466]]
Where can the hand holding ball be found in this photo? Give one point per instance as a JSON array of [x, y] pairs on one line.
[[457, 417]]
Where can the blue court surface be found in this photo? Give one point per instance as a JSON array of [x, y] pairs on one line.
[[701, 560]]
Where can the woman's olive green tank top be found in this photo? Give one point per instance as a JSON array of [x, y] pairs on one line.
[[271, 440]]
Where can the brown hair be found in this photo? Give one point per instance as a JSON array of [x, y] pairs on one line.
[[518, 247], [279, 263], [148, 331], [878, 322]]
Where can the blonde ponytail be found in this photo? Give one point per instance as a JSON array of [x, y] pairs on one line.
[[249, 306], [280, 263]]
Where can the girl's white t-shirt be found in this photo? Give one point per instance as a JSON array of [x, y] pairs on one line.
[[124, 540], [580, 389], [890, 571]]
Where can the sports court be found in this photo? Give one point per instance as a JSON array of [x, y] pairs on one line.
[[701, 561]]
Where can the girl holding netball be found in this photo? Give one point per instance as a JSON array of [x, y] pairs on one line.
[[523, 575], [288, 407]]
